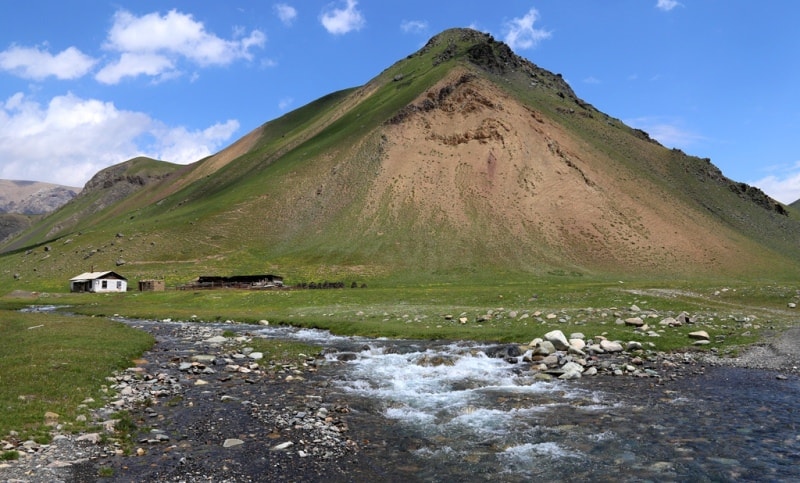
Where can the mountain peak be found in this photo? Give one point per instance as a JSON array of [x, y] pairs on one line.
[[494, 57]]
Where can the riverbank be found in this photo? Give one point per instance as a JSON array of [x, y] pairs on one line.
[[779, 352]]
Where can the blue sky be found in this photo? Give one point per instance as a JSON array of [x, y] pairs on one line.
[[87, 84]]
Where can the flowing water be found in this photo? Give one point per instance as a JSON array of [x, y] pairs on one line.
[[447, 412]]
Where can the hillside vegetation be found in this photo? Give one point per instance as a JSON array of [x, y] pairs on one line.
[[460, 162]]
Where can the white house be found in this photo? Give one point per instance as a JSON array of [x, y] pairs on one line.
[[99, 282]]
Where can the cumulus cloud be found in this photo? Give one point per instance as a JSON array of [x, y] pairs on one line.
[[520, 33], [153, 45], [666, 5], [37, 64], [414, 26], [668, 132], [338, 21], [286, 13], [182, 146], [69, 139], [783, 184], [134, 64]]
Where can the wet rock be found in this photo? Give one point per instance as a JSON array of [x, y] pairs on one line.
[[503, 351], [571, 370], [282, 446], [232, 442], [544, 348]]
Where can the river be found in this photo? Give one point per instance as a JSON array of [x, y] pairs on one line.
[[450, 413], [444, 411]]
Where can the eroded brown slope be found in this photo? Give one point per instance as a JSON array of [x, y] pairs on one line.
[[470, 158]]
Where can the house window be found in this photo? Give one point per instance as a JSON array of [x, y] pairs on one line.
[[119, 284], [104, 284]]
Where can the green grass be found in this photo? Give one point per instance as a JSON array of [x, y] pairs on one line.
[[9, 455], [105, 472], [278, 352], [51, 362], [513, 311]]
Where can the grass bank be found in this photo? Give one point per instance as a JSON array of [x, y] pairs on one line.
[[733, 313], [53, 363]]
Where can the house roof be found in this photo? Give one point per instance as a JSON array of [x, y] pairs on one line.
[[97, 275]]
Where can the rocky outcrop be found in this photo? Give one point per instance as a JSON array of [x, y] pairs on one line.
[[120, 181]]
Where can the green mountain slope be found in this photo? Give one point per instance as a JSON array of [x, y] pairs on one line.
[[461, 160]]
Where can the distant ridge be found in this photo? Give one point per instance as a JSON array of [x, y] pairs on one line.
[[462, 161], [33, 197]]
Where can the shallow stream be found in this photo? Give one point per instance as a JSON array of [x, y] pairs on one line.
[[446, 412], [434, 411]]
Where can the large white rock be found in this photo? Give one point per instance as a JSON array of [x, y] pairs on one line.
[[578, 344], [572, 370], [544, 348], [610, 346], [699, 335], [634, 321], [558, 339]]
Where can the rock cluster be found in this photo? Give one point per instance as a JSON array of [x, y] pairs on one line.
[[556, 355]]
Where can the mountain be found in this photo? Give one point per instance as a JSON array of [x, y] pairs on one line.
[[462, 160], [103, 195], [33, 197], [22, 201]]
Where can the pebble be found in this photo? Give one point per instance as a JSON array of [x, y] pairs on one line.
[[232, 442]]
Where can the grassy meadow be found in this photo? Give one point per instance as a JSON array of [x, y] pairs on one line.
[[53, 363]]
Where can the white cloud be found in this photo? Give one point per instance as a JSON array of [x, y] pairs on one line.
[[520, 33], [69, 139], [339, 21], [179, 145], [667, 132], [153, 45], [414, 26], [286, 13], [592, 80], [132, 65], [34, 63], [666, 5], [782, 185]]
